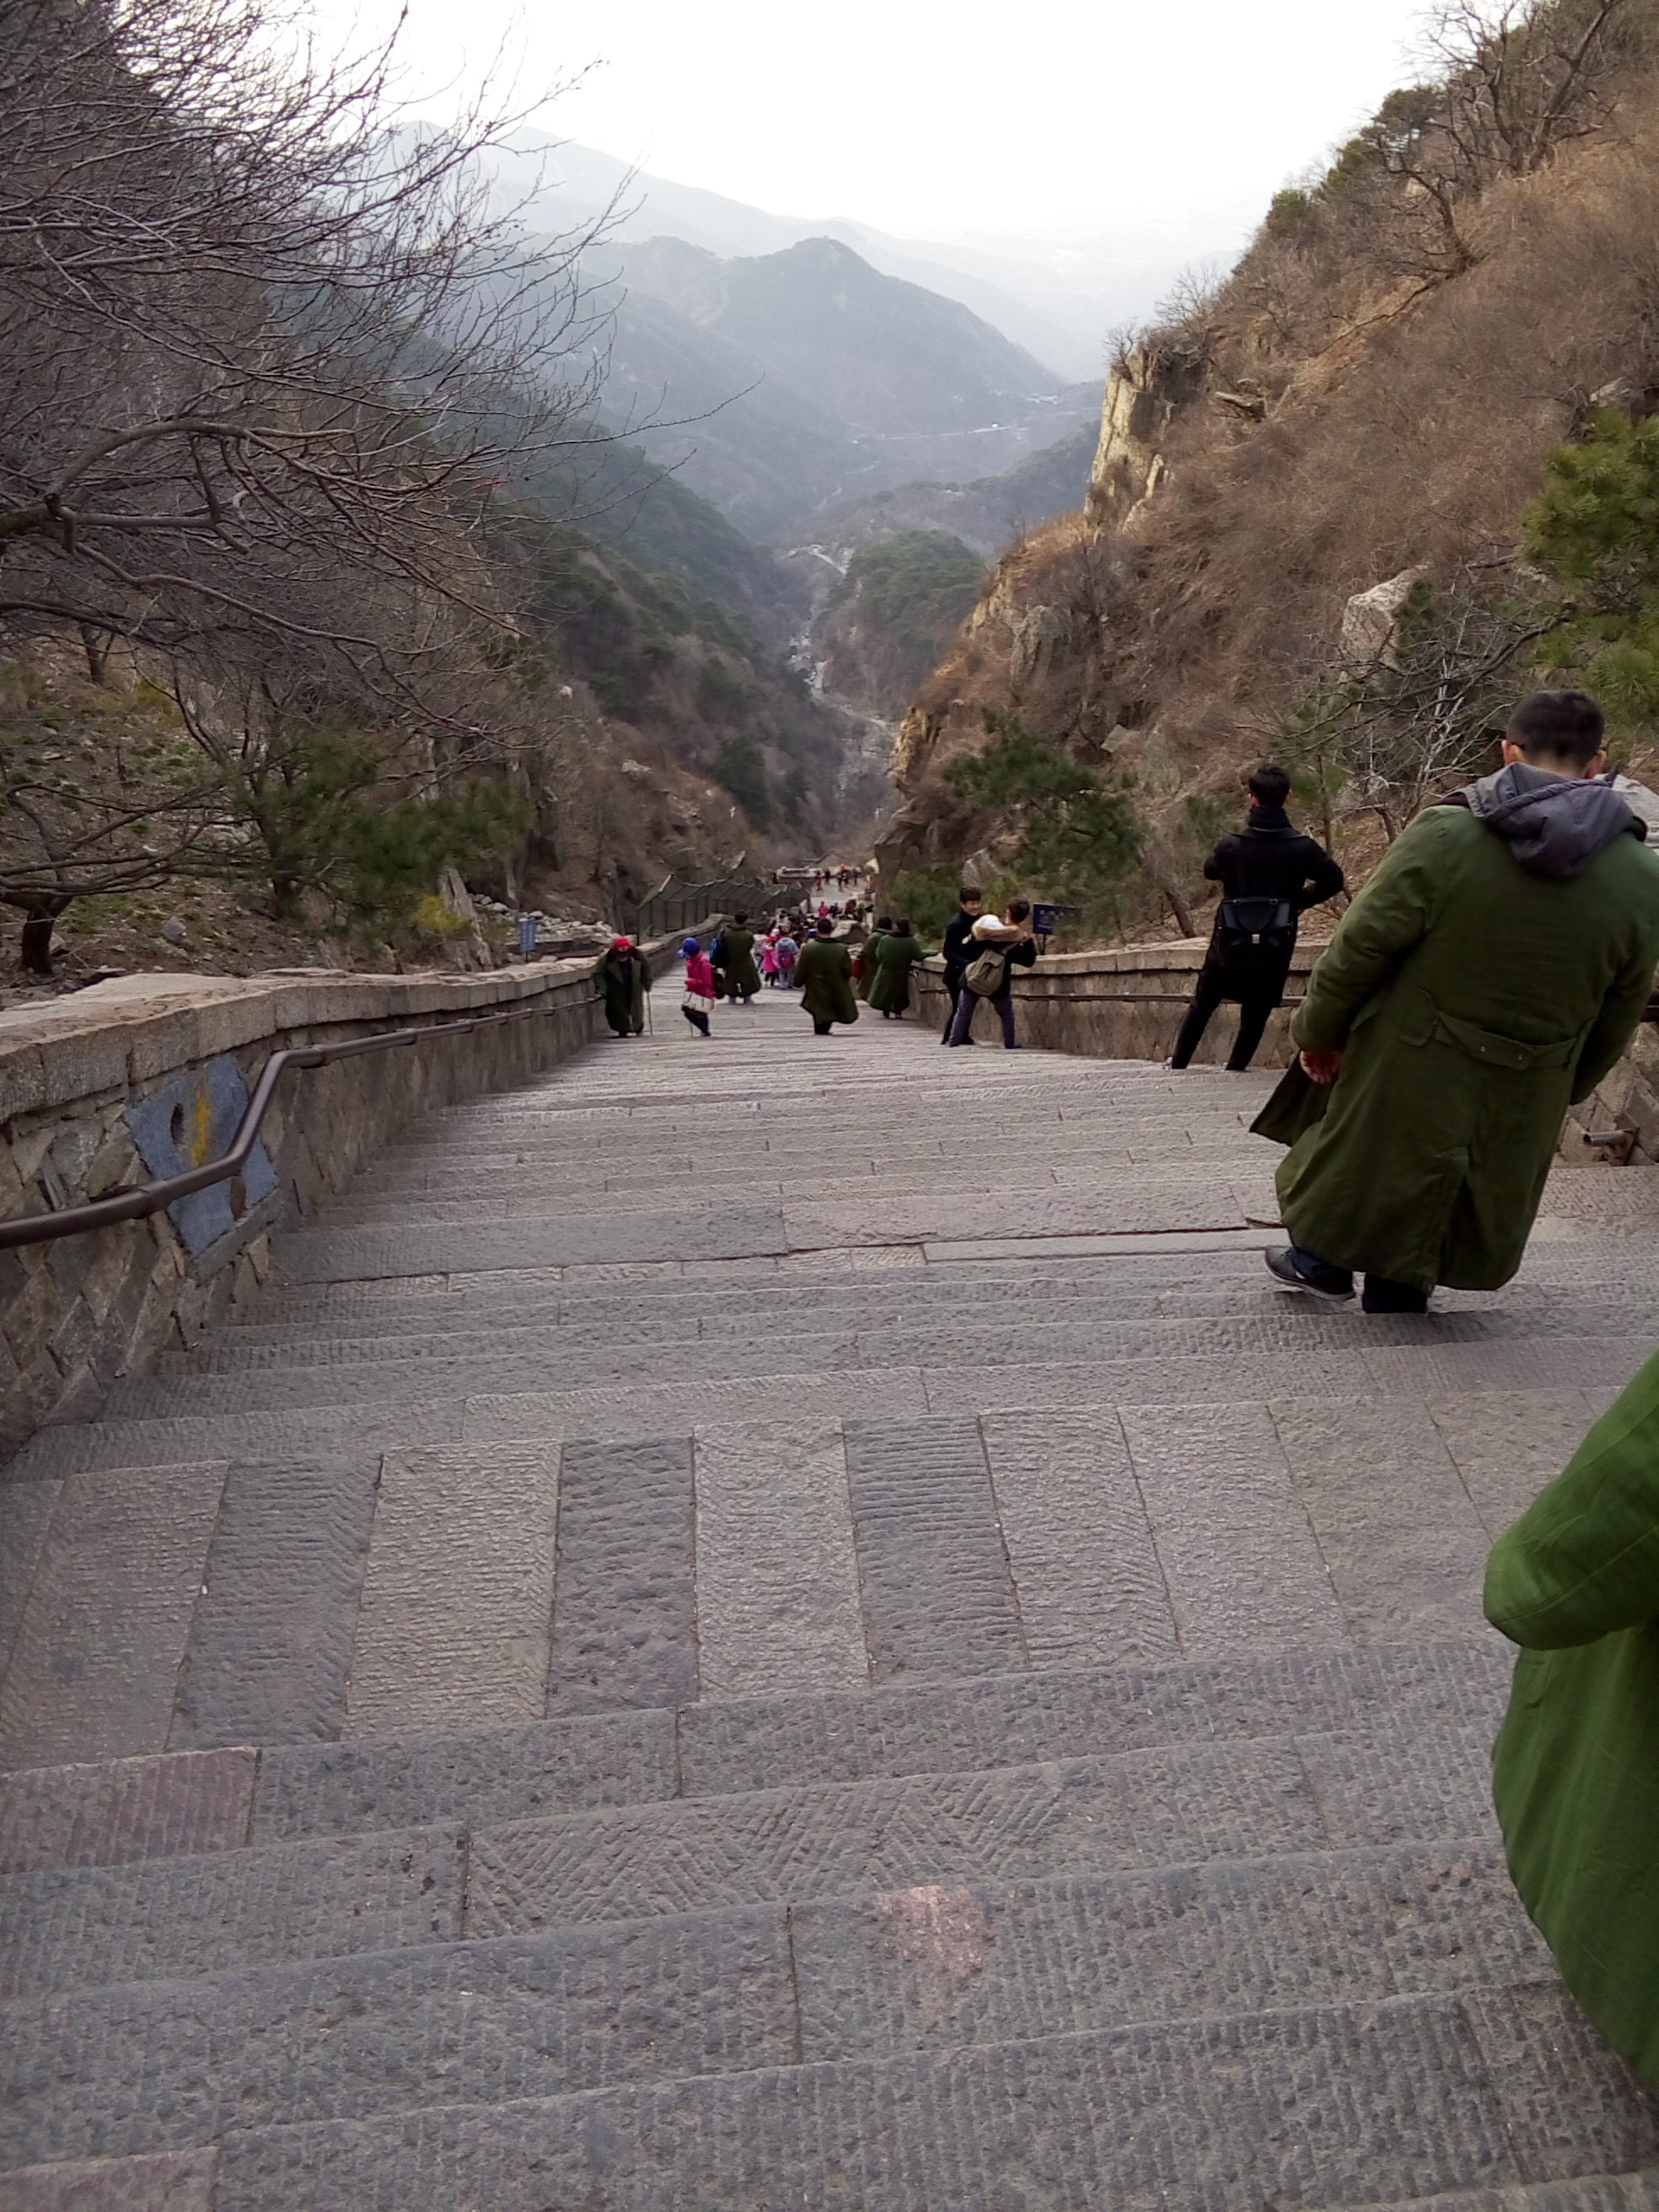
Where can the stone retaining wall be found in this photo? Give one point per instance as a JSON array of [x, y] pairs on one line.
[[1125, 1004], [143, 1076]]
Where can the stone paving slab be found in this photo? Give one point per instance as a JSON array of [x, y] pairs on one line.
[[938, 1596], [1601, 2192], [456, 1618], [314, 1255], [94, 1665], [1092, 1591], [1246, 1572], [1293, 2109], [305, 1433], [171, 1919], [162, 2181], [485, 1774], [776, 1574], [1384, 1788], [1140, 1809], [940, 1967], [271, 1637], [161, 2065], [126, 1809], [757, 1743], [624, 1631]]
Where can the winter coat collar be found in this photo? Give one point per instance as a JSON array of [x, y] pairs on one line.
[[1555, 825]]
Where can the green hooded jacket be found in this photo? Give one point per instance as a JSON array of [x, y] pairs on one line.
[[1473, 1001], [1576, 1767], [869, 956], [824, 974], [889, 991]]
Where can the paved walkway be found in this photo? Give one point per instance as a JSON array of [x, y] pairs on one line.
[[776, 1623]]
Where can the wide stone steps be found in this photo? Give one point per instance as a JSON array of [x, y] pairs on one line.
[[1302, 2107], [514, 1360]]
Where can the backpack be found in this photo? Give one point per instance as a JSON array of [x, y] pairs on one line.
[[988, 975], [1261, 930]]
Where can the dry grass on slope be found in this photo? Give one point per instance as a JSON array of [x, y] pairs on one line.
[[1409, 431]]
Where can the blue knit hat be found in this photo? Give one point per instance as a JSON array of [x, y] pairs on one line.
[[690, 945]]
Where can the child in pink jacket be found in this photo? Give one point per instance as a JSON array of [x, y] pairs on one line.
[[698, 1003]]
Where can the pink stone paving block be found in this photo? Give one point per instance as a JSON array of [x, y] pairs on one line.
[[162, 2181], [126, 1810]]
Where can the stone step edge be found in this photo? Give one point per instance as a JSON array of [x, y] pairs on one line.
[[1361, 1858], [443, 2124], [1636, 2188], [224, 1790]]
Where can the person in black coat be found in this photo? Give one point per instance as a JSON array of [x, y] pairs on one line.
[[959, 950], [1270, 874]]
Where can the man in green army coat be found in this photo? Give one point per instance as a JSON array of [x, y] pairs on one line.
[[737, 960], [889, 991], [870, 954], [1576, 1767], [624, 975], [824, 974], [1488, 976]]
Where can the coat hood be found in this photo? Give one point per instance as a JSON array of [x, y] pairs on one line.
[[1555, 825]]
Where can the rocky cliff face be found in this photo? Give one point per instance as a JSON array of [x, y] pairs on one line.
[[1359, 407]]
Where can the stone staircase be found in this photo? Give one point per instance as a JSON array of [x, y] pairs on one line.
[[772, 1622]]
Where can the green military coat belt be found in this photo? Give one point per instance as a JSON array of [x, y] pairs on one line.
[[1472, 1002], [738, 967], [824, 974], [1576, 1768], [889, 991]]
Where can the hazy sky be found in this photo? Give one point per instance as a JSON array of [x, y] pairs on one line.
[[927, 119]]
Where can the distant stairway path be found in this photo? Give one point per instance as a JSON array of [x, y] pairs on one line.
[[776, 1623]]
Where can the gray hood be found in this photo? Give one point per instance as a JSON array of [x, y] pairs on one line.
[[1555, 825]]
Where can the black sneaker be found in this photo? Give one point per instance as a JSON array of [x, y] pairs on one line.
[[1297, 1271]]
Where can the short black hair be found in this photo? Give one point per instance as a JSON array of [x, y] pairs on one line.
[[1566, 724], [1019, 910], [903, 928], [826, 927], [742, 915], [1269, 785], [884, 921], [970, 891]]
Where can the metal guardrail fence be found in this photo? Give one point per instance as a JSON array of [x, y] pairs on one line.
[[141, 1200], [676, 905]]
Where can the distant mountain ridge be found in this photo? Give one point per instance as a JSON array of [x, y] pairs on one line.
[[772, 383]]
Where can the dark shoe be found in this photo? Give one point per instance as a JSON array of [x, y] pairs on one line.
[[1382, 1296], [1296, 1270]]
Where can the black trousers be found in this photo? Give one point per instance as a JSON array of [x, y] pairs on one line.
[[1257, 1001], [953, 990]]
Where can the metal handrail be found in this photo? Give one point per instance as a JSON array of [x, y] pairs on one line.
[[141, 1200]]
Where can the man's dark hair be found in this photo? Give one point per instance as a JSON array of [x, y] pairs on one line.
[[903, 926], [742, 915], [825, 926], [969, 891], [884, 921], [1020, 910], [1566, 724], [1269, 785]]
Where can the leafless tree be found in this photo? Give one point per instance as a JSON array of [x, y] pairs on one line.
[[265, 352]]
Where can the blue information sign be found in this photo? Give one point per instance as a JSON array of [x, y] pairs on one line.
[[1046, 920], [528, 930]]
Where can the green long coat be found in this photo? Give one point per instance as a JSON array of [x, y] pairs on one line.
[[890, 992], [624, 984], [1472, 1002], [870, 954], [738, 964], [1576, 1767], [825, 973]]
